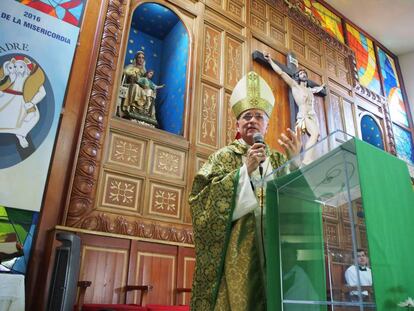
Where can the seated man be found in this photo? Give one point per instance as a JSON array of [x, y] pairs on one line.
[[365, 277]]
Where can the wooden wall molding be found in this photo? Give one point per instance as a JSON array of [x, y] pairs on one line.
[[389, 131], [110, 223], [369, 95], [86, 174]]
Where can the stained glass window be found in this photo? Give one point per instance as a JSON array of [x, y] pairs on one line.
[[365, 59], [404, 144], [371, 132], [330, 22], [67, 10], [392, 89]]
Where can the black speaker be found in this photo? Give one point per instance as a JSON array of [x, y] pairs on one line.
[[63, 286]]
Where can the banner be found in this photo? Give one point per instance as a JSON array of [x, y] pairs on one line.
[[36, 53]]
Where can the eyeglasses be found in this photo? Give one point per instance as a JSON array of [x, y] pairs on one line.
[[248, 116]]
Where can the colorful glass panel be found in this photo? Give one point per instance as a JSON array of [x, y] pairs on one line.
[[404, 144], [392, 88], [67, 10], [365, 59], [330, 22], [371, 132]]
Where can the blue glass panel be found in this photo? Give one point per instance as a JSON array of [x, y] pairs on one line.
[[404, 144], [397, 106], [371, 132], [392, 88]]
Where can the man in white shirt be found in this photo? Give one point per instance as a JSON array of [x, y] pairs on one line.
[[364, 272]]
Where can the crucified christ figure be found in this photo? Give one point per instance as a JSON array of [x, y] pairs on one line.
[[306, 119]]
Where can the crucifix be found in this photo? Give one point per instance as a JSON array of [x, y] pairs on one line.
[[301, 97]]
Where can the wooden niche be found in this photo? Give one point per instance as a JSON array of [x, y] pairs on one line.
[[133, 172], [131, 179]]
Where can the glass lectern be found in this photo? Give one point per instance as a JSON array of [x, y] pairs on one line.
[[321, 218]]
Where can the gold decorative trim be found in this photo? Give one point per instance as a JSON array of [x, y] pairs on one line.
[[258, 103]]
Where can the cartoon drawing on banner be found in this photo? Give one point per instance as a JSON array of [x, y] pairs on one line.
[[26, 108]]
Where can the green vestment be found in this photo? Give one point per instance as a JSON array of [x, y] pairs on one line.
[[228, 273]]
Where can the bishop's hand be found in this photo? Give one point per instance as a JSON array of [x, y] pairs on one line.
[[255, 155], [291, 142]]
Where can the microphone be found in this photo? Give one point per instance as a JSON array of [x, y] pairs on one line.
[[258, 138]]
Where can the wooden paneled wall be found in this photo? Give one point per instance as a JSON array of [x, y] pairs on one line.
[[124, 186]]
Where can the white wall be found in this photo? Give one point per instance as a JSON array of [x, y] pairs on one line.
[[407, 70]]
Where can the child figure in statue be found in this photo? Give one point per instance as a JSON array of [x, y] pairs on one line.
[[149, 92]]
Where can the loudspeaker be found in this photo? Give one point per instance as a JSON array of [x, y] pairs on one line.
[[63, 286]]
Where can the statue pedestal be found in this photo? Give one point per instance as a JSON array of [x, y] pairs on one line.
[[141, 118]]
